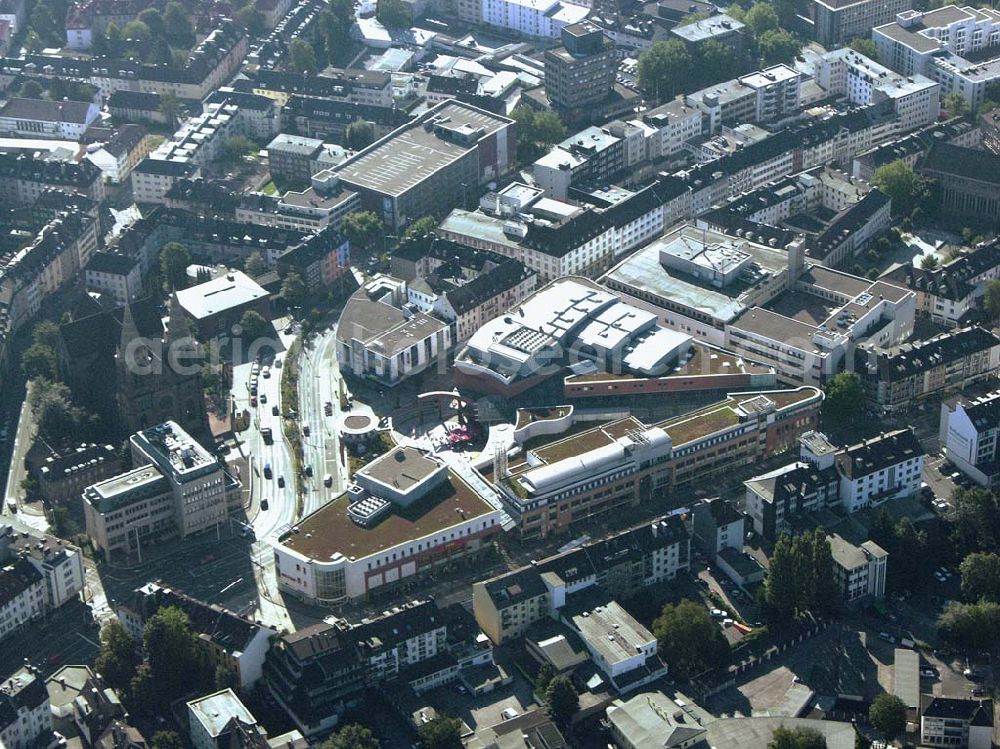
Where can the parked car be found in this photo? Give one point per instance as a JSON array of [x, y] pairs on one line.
[[887, 637], [281, 482]]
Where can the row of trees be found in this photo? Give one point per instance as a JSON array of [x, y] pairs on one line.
[[329, 38], [153, 37], [669, 68], [800, 578], [57, 89]]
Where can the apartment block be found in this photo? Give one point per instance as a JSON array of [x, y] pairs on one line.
[[582, 71], [233, 643], [956, 722], [25, 712], [969, 432], [59, 563], [915, 98], [621, 565], [858, 571], [849, 478], [952, 45], [899, 378], [837, 22]]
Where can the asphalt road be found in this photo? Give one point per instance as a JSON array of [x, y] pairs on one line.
[[318, 377]]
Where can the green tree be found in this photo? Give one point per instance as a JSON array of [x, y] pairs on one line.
[[173, 654], [441, 732], [843, 401], [975, 522], [351, 736], [293, 289], [33, 43], [171, 107], [54, 413], [39, 361], [154, 21], [761, 18], [955, 105], [254, 326], [46, 333], [715, 62], [361, 228], [796, 738], [254, 265], [991, 298], [359, 134], [929, 262], [31, 90], [302, 56], [777, 46], [174, 260], [781, 587], [544, 677], [888, 715], [166, 740], [393, 14], [235, 147], [666, 69], [251, 19], [971, 625], [865, 47], [137, 34], [146, 696], [178, 25], [119, 657], [981, 577], [823, 588], [689, 641], [561, 700], [535, 132], [898, 180], [421, 226]]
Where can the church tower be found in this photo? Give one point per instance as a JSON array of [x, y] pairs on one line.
[[161, 379]]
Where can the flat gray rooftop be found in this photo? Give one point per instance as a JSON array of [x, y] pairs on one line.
[[406, 157]]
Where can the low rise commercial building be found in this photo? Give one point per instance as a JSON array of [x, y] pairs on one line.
[[969, 432], [405, 514], [899, 378], [381, 338], [178, 488], [641, 721], [567, 323], [215, 307], [432, 165], [233, 643], [617, 465]]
